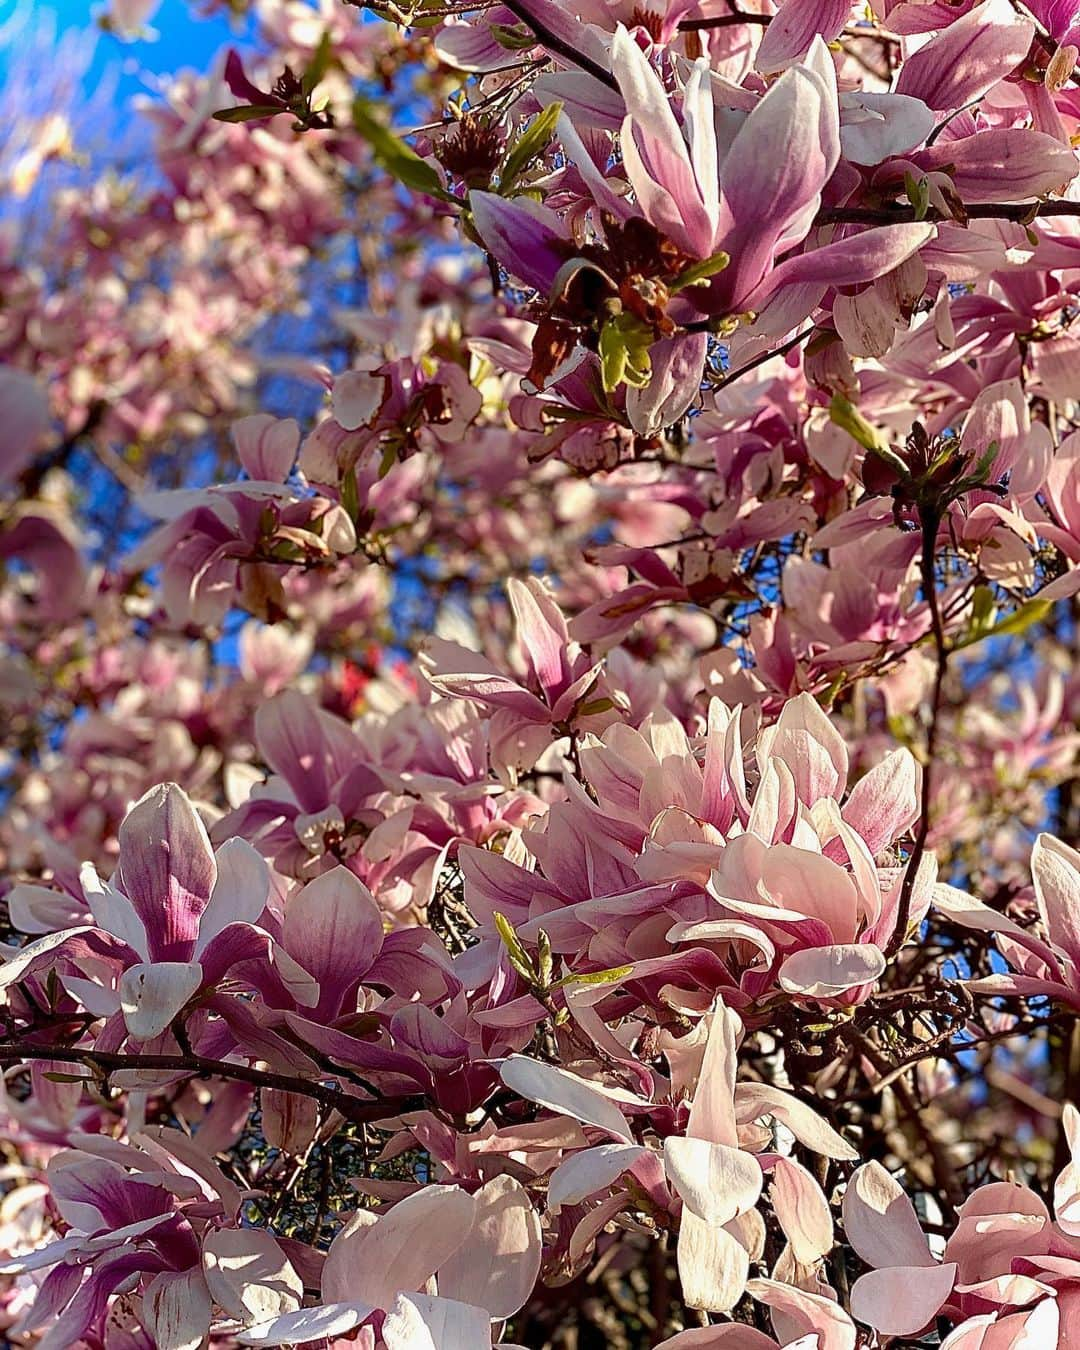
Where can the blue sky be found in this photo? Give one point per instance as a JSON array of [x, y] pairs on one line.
[[183, 40]]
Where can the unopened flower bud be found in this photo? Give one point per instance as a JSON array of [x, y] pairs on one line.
[[1060, 68]]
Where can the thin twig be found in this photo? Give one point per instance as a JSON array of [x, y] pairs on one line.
[[566, 50], [1018, 212], [199, 1066]]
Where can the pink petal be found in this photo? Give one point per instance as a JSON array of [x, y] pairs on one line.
[[426, 1322], [499, 1265], [177, 1309], [375, 1258], [901, 1300], [794, 27], [880, 1221], [802, 1210], [333, 928], [828, 972], [249, 1275], [565, 1093], [167, 870], [967, 58]]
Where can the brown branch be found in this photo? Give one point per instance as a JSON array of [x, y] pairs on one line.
[[57, 458], [555, 44], [1018, 212], [724, 21], [198, 1066], [930, 519]]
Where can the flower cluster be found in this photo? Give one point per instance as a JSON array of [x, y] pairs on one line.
[[539, 547]]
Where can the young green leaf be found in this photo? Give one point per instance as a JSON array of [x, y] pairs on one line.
[[610, 976], [395, 156], [624, 353], [519, 957], [701, 272], [247, 112], [318, 65], [532, 142]]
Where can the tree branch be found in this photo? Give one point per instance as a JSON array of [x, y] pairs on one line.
[[198, 1066], [1018, 212], [930, 519], [556, 44]]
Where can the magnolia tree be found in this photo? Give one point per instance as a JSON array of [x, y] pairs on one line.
[[538, 682]]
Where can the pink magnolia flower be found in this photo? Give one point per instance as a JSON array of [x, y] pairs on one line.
[[25, 406], [773, 890], [178, 919], [133, 1216], [562, 680], [710, 1161], [753, 200], [480, 1250], [1047, 965], [210, 537]]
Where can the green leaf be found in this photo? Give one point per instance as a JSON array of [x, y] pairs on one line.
[[514, 37], [918, 194], [983, 611], [843, 413], [610, 976], [318, 65], [350, 495], [545, 959], [700, 272], [1019, 621], [624, 353], [519, 957], [533, 141], [249, 112], [594, 707], [395, 156]]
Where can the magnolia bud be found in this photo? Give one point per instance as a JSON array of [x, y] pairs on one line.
[[1060, 68], [289, 1121]]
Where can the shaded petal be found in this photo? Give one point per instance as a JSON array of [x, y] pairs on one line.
[[713, 1265], [968, 57], [794, 27], [802, 1210], [152, 995], [754, 1100], [859, 257], [426, 1322], [240, 891], [807, 1313], [249, 1275], [308, 1324], [113, 911], [177, 1309], [528, 239], [901, 1300], [880, 1221], [378, 1257], [827, 972], [1055, 870], [499, 1265], [589, 1171], [565, 1093]]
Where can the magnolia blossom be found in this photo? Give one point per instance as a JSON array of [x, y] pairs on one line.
[[537, 692]]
